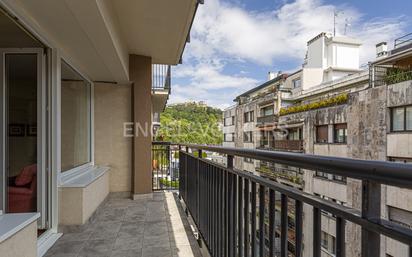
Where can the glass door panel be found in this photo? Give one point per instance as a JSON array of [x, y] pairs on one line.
[[24, 134], [22, 156]]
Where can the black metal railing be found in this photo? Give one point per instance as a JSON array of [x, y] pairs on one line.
[[402, 41], [382, 75], [161, 77], [165, 166], [236, 215], [268, 119]]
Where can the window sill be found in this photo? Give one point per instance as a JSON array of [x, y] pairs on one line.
[[12, 223], [330, 180], [334, 143], [401, 132], [84, 177]]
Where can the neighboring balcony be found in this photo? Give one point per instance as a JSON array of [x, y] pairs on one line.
[[282, 145], [288, 145], [267, 120], [161, 86]]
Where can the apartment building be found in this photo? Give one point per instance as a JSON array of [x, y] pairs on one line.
[[333, 107], [75, 76], [254, 108]]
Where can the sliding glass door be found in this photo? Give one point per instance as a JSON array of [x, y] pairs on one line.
[[24, 132]]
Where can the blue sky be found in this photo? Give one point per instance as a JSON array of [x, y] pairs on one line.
[[235, 43]]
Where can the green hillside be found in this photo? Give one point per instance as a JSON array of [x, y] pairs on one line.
[[190, 123]]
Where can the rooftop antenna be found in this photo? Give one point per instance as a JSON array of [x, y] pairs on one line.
[[335, 15], [347, 24]]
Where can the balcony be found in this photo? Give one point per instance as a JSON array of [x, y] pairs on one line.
[[226, 204], [288, 145], [267, 120], [236, 213], [161, 86], [282, 145]]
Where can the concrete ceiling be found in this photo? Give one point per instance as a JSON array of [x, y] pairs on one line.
[[97, 36], [156, 28]]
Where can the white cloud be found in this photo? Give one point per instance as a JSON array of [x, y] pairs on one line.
[[224, 33], [208, 83]]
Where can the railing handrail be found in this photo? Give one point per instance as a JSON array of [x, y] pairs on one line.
[[385, 172], [402, 40], [209, 188]]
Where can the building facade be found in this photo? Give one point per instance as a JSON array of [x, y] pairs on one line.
[[332, 107]]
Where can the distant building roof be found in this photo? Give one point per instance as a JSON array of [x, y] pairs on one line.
[[267, 83]]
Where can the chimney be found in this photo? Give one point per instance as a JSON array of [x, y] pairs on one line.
[[381, 49]]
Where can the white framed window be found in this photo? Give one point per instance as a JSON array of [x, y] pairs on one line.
[[76, 119], [401, 118], [229, 121], [248, 136], [340, 133], [249, 116], [229, 137], [328, 242], [266, 111], [296, 83]]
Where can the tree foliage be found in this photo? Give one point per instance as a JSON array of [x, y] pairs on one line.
[[190, 123]]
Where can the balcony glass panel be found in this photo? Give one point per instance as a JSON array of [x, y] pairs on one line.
[[76, 113]]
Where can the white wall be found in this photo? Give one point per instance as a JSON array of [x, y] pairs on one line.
[[347, 56], [311, 77], [315, 57], [338, 150], [399, 145], [330, 189]]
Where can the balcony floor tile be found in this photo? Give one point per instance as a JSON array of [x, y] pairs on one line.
[[122, 227]]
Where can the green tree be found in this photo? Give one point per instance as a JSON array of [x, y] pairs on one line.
[[190, 123]]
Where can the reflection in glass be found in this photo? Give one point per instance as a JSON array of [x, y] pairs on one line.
[[75, 119]]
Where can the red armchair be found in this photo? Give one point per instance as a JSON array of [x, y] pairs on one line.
[[22, 191]]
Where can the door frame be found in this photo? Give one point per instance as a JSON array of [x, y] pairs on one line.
[[42, 146]]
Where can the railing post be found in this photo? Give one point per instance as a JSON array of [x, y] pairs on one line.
[[229, 209], [371, 210], [185, 193], [198, 184]]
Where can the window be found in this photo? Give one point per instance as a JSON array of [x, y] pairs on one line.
[[328, 242], [75, 119], [400, 160], [294, 134], [401, 118], [296, 83], [340, 133], [339, 178], [248, 136], [321, 174], [248, 160], [249, 116], [322, 134], [230, 137], [400, 216], [266, 111], [229, 121]]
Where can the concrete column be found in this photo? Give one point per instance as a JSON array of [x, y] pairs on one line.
[[140, 70], [330, 134]]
